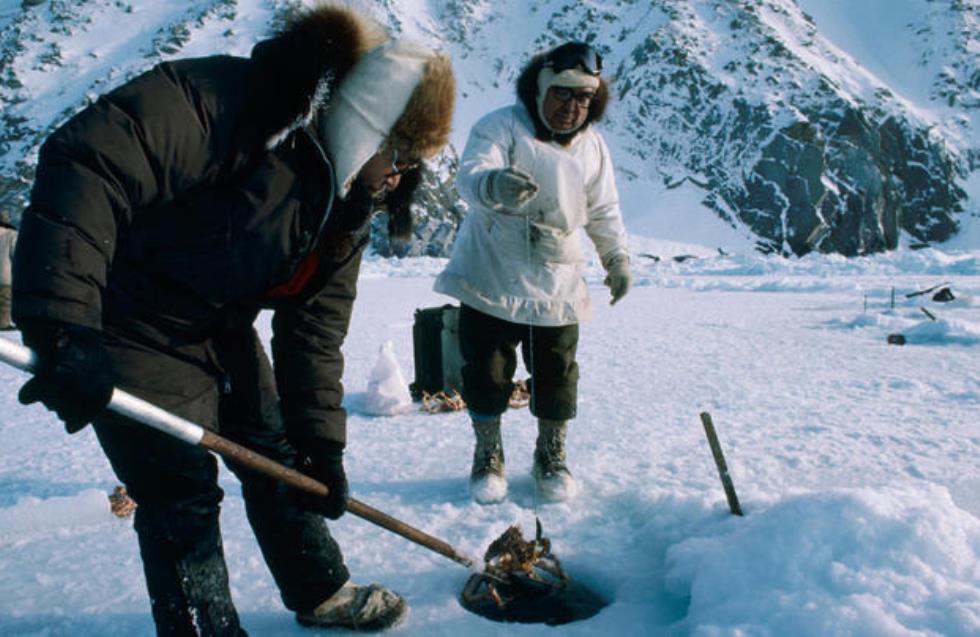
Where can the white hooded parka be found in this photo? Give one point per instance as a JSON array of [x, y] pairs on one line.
[[527, 266]]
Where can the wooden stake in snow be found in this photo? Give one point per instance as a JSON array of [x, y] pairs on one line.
[[726, 480]]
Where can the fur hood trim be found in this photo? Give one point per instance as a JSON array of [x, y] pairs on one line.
[[424, 126], [399, 94], [299, 69]]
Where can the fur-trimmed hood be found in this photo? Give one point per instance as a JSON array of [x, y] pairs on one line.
[[527, 92], [399, 94], [331, 52], [297, 71]]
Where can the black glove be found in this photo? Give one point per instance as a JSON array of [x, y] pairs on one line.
[[323, 460], [73, 375]]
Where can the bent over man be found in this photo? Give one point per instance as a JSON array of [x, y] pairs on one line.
[[163, 218], [534, 175]]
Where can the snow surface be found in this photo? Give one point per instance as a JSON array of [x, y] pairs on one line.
[[855, 462]]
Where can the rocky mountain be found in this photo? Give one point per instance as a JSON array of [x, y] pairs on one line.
[[811, 124]]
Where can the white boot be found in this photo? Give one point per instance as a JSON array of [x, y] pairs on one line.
[[553, 480], [487, 482], [361, 608]]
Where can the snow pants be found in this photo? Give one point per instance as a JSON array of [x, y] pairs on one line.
[[489, 349], [225, 385]]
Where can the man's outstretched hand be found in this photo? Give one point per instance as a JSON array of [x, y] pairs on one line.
[[618, 277], [508, 188]]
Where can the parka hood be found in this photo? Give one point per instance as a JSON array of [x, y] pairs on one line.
[[399, 94], [331, 56], [527, 94], [298, 70]]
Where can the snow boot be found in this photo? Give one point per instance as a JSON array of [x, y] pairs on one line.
[[553, 480], [487, 482], [370, 608]]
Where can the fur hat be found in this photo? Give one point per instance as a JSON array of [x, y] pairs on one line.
[[400, 93]]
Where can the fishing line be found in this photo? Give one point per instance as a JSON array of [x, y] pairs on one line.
[[532, 385], [533, 389]]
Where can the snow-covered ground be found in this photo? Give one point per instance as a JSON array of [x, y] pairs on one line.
[[856, 463]]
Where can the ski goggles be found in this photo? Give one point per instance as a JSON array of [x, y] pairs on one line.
[[574, 55]]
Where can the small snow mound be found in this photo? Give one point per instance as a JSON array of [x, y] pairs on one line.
[[387, 393], [943, 332]]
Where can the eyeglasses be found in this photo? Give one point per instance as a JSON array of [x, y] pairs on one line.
[[403, 168], [574, 55], [564, 95]]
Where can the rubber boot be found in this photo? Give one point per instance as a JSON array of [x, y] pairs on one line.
[[553, 480], [487, 482]]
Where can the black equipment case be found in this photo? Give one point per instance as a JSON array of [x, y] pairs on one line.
[[435, 339]]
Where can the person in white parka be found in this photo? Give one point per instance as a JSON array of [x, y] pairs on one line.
[[534, 174]]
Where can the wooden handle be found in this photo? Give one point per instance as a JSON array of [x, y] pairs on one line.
[[228, 449], [408, 532], [293, 478]]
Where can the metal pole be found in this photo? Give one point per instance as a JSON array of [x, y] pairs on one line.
[[146, 413], [726, 479]]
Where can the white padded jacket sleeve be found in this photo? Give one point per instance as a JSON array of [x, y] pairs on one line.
[[605, 226], [487, 149]]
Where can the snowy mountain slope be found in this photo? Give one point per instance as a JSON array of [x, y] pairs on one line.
[[778, 124], [57, 56], [806, 125], [935, 70]]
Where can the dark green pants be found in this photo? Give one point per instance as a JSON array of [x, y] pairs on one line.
[[225, 385], [489, 349]]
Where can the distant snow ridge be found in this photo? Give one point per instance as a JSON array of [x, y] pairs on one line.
[[31, 515]]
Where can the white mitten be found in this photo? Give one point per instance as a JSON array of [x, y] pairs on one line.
[[508, 188], [618, 278]]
